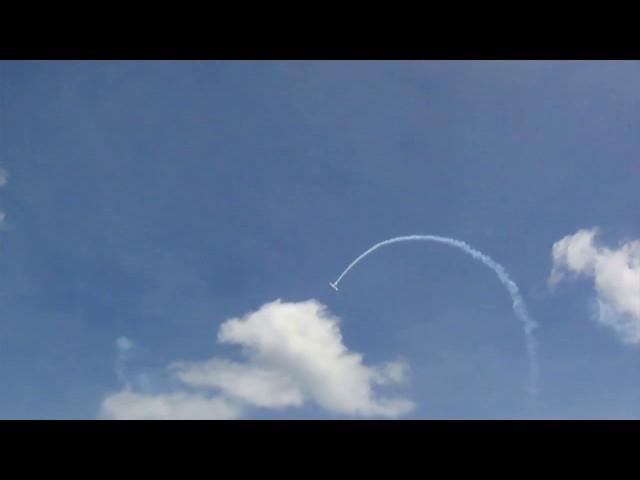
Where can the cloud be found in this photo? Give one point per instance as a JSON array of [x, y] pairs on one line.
[[253, 384], [294, 354], [616, 276], [128, 405], [392, 372], [124, 344], [4, 178], [124, 347]]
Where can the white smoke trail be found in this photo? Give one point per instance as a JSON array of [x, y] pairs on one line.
[[518, 304]]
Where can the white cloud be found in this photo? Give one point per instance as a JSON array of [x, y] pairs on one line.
[[128, 405], [253, 384], [294, 354], [302, 341], [616, 275]]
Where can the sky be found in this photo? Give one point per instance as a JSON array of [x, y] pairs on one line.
[[168, 231]]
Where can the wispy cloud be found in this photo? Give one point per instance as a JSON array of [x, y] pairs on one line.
[[4, 179], [616, 276], [124, 348], [253, 384], [294, 354], [173, 406]]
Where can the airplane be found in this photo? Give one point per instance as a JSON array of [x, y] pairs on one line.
[[333, 285]]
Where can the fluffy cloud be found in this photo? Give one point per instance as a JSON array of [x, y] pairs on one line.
[[294, 354], [616, 276]]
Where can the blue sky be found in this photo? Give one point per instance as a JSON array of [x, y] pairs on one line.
[[154, 201]]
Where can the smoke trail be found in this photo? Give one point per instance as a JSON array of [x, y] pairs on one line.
[[518, 304]]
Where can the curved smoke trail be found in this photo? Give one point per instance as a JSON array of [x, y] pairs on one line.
[[518, 304]]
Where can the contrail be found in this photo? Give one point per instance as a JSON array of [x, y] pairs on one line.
[[518, 304]]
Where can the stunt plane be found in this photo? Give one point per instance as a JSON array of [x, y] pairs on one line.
[[333, 285]]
